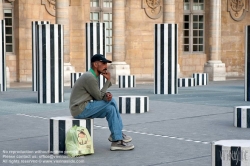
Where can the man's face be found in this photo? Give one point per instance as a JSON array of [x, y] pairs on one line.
[[101, 67]]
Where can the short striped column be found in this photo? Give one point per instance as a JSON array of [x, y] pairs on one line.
[[247, 64], [50, 66], [242, 116], [185, 82], [126, 81], [165, 77], [133, 104], [35, 52], [58, 128], [200, 79], [74, 77], [231, 153], [95, 44], [3, 75]]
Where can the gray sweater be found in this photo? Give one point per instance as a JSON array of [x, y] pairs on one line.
[[86, 88]]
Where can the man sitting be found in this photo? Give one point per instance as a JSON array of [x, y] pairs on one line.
[[88, 101]]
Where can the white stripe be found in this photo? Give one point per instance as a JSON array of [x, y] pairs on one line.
[[123, 105], [166, 47], [68, 125], [132, 104], [213, 154], [158, 58], [226, 156], [41, 81], [94, 38], [245, 156], [126, 81], [246, 60], [101, 39], [56, 65], [83, 123], [143, 109], [235, 116], [88, 65], [55, 137], [243, 118], [173, 63]]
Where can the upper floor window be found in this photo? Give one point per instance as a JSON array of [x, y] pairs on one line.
[[101, 11], [194, 20]]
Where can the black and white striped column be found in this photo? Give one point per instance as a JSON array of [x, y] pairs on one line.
[[74, 77], [95, 44], [231, 153], [185, 82], [133, 104], [247, 64], [126, 81], [200, 79], [242, 116], [3, 75], [166, 56], [50, 66], [35, 52], [58, 128]]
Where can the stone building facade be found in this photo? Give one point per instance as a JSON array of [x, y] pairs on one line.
[[211, 34]]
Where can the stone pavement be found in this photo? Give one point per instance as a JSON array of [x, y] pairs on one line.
[[177, 131]]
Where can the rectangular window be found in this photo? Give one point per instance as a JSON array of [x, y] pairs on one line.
[[101, 11], [193, 26], [8, 16]]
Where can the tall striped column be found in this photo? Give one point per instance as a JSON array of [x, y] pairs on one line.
[[247, 64], [50, 63], [3, 78], [35, 52], [95, 44], [166, 56]]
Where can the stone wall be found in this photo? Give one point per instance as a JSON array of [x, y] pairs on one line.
[[25, 12], [233, 42], [140, 40]]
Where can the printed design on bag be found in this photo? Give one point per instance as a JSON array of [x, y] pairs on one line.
[[84, 143]]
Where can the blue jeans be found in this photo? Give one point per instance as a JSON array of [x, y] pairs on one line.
[[101, 109]]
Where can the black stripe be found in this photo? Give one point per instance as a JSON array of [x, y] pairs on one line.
[[33, 25], [98, 28], [155, 66], [119, 81], [104, 40], [238, 117], [137, 104], [120, 104], [43, 72], [76, 123], [162, 60], [52, 63], [203, 79], [91, 44], [123, 81], [87, 46], [176, 58], [189, 82], [146, 104], [88, 126], [3, 57], [51, 135], [61, 130], [129, 84], [60, 61], [128, 105], [248, 64], [198, 79], [38, 64], [183, 82], [218, 155], [133, 81], [170, 59], [235, 156], [179, 82], [248, 118]]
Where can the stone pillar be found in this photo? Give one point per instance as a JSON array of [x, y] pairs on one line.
[[1, 10], [62, 17], [3, 76], [168, 11], [118, 65], [214, 67]]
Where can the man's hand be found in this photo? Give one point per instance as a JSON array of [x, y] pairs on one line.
[[106, 74], [108, 96]]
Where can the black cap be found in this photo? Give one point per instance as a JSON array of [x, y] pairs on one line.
[[99, 57]]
